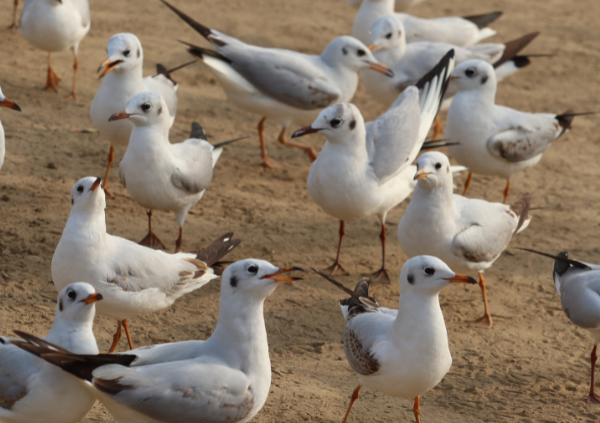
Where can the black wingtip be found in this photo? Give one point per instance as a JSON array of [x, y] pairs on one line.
[[431, 145], [224, 143], [162, 70], [201, 29], [485, 19], [201, 52], [562, 257], [198, 132], [438, 69], [512, 48]]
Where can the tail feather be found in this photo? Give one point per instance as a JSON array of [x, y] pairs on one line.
[[483, 20], [521, 209], [216, 250], [514, 47], [566, 119]]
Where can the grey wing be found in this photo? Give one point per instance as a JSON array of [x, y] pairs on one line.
[[25, 9], [185, 392], [164, 353], [194, 166], [84, 9], [16, 367], [393, 136], [162, 85], [122, 177], [288, 77]]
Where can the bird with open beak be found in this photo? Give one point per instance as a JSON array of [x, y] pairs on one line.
[[5, 102]]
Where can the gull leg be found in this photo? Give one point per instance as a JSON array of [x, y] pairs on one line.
[[487, 316], [179, 241], [436, 129], [267, 161], [467, 184], [352, 399], [593, 398], [52, 79], [506, 190], [337, 264], [73, 95], [15, 24], [116, 337], [126, 327], [151, 239], [111, 157], [312, 154], [382, 273], [417, 410]]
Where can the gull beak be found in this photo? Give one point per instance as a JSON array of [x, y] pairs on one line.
[[10, 104], [381, 68], [373, 47], [421, 174], [93, 298], [305, 131], [458, 278], [96, 184], [119, 115], [284, 278], [107, 66]]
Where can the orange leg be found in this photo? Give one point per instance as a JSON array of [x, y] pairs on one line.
[[352, 399], [337, 264], [436, 129], [506, 190], [151, 239], [73, 95], [312, 154], [52, 79], [111, 157], [593, 398], [487, 316], [116, 337], [267, 161], [382, 273], [179, 241], [467, 184], [417, 410], [15, 24], [126, 327]]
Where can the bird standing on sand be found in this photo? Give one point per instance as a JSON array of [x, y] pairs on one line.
[[283, 85], [159, 175], [53, 26], [467, 234], [5, 102], [133, 279], [403, 353]]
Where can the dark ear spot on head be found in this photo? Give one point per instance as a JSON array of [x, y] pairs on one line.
[[448, 169], [138, 53], [159, 110], [233, 281], [411, 279], [484, 79], [60, 305], [344, 51], [72, 201], [352, 124]]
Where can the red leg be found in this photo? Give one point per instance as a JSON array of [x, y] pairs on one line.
[[111, 157], [417, 410], [506, 190], [436, 129], [52, 79], [126, 327], [15, 23], [487, 316], [337, 264], [116, 337], [312, 154], [73, 95], [267, 161], [151, 240], [593, 398], [467, 184], [179, 241], [352, 399], [382, 273]]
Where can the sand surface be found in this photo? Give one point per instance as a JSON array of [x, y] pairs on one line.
[[533, 366]]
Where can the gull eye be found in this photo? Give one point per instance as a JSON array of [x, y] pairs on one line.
[[335, 122], [80, 188], [470, 72], [429, 271], [360, 52], [126, 53], [72, 295], [253, 269], [438, 166], [389, 36], [146, 107]]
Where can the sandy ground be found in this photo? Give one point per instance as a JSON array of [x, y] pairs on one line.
[[531, 367]]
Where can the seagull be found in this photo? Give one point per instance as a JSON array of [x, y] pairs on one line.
[[225, 378], [459, 31], [578, 287], [411, 61], [53, 26], [402, 353], [133, 279], [361, 169], [5, 102], [467, 234], [123, 78], [32, 390], [159, 175], [496, 140], [283, 85], [398, 4]]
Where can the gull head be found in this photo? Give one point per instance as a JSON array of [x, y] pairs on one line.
[[387, 32], [87, 195], [350, 53], [433, 171], [123, 53], [145, 109], [473, 75], [76, 302], [340, 123], [5, 102], [428, 275], [253, 279]]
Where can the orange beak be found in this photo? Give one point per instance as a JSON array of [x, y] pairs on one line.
[[420, 175], [458, 278], [284, 278], [373, 47], [93, 298], [96, 184], [382, 69], [10, 104], [119, 115], [107, 66]]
